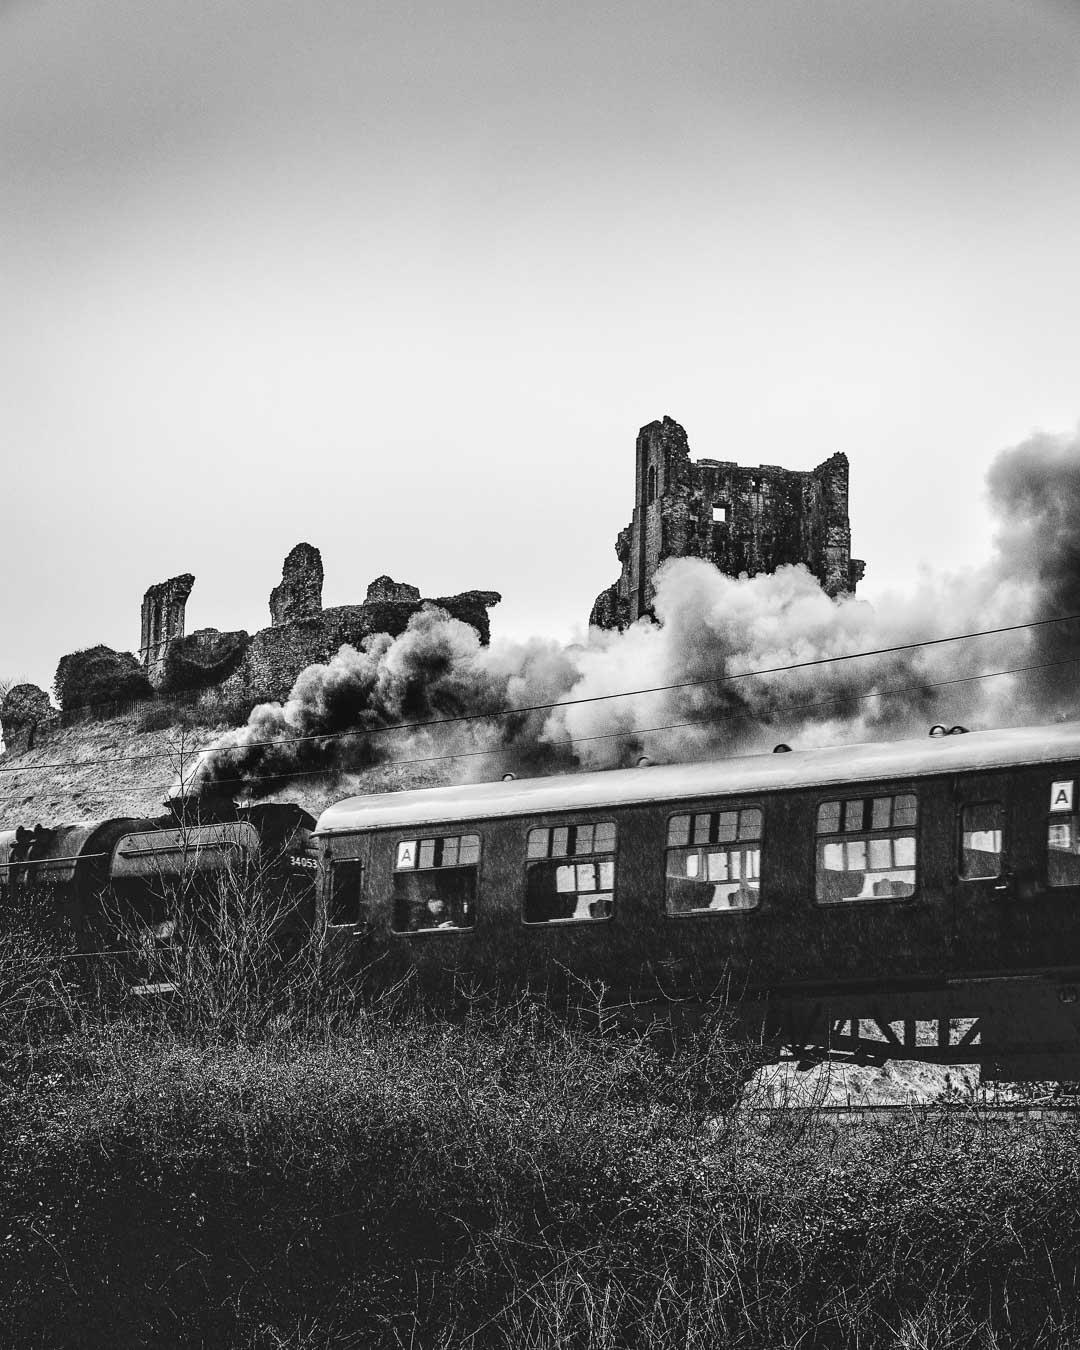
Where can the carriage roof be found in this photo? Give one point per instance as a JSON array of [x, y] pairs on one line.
[[741, 776]]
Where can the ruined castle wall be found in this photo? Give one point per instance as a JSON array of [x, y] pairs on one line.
[[276, 656], [299, 594], [741, 519], [236, 667], [162, 621]]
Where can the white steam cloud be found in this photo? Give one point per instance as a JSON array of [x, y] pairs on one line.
[[708, 627]]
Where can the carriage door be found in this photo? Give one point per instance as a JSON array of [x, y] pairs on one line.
[[344, 899], [986, 917]]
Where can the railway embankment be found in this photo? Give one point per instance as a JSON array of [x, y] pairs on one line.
[[95, 770], [124, 767]]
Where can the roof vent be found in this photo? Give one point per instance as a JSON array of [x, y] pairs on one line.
[[938, 730], [509, 777], [958, 731], [644, 762], [782, 749]]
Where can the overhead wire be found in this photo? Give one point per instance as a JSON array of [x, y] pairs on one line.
[[570, 702], [674, 726], [289, 774]]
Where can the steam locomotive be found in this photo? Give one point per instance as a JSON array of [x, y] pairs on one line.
[[908, 900], [114, 881]]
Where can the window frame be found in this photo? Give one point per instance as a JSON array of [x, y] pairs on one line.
[[420, 835], [1072, 816], [339, 866], [1003, 852], [574, 858], [843, 793], [691, 811]]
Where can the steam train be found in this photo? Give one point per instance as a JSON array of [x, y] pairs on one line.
[[908, 900], [118, 880]]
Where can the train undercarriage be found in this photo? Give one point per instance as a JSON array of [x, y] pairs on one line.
[[1022, 1028]]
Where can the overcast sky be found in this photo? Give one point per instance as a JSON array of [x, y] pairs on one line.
[[403, 280]]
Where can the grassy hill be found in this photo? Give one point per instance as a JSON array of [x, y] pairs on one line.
[[101, 769]]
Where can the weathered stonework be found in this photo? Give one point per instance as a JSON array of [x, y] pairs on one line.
[[385, 590], [201, 659], [740, 519], [299, 595], [264, 666], [26, 715], [162, 622], [276, 656]]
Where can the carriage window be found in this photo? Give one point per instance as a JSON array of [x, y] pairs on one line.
[[714, 862], [571, 873], [981, 829], [872, 855], [1063, 850], [343, 906], [435, 884]]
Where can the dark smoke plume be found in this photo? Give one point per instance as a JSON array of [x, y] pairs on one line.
[[708, 626], [1035, 491]]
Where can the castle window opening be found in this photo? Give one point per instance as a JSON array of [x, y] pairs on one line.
[[652, 484], [719, 513]]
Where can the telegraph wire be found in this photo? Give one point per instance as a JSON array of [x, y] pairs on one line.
[[633, 693], [286, 775], [573, 702]]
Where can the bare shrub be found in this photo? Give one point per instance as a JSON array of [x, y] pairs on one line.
[[35, 987], [229, 953]]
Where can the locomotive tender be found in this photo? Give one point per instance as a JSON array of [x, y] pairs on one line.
[[905, 900], [111, 880]]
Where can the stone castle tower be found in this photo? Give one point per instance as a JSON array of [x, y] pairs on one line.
[[740, 519]]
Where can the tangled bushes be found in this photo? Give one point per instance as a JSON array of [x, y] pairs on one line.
[[34, 994], [509, 1180], [99, 675], [262, 1159]]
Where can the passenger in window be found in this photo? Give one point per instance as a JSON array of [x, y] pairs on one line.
[[430, 904], [438, 913]]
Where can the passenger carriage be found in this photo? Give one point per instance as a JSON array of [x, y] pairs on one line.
[[852, 900]]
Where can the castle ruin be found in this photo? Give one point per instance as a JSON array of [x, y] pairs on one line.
[[740, 519], [263, 666], [162, 621]]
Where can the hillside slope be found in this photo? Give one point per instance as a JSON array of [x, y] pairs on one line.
[[102, 769]]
